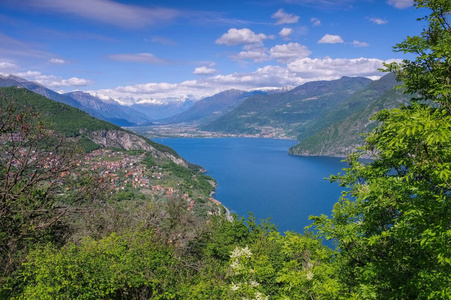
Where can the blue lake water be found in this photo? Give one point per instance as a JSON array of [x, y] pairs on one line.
[[258, 176]]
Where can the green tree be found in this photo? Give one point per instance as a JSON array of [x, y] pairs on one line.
[[35, 200], [392, 226], [126, 266]]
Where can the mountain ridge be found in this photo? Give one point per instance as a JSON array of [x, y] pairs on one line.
[[88, 132], [286, 111], [107, 111], [212, 107], [350, 105], [344, 135]]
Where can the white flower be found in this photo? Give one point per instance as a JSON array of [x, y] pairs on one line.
[[235, 265], [235, 287], [253, 283], [239, 252], [309, 275], [246, 252], [260, 296], [236, 253]]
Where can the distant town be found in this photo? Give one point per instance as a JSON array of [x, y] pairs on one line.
[[192, 131], [123, 171]]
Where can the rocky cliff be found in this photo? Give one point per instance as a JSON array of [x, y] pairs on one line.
[[130, 141]]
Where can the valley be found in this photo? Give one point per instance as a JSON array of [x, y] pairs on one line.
[[325, 117], [193, 131]]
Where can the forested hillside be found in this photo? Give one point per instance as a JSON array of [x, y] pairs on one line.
[[286, 112], [356, 102], [343, 137], [108, 110]]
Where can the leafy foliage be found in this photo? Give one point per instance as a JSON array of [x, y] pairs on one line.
[[131, 266], [33, 160], [145, 264], [392, 226]]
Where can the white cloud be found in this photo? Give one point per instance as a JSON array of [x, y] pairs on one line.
[[323, 4], [257, 54], [378, 21], [57, 61], [315, 21], [30, 75], [331, 39], [296, 72], [359, 44], [400, 3], [140, 57], [282, 53], [284, 18], [147, 88], [73, 81], [204, 71], [7, 67], [105, 11], [241, 36], [286, 32], [52, 81], [289, 52], [329, 68]]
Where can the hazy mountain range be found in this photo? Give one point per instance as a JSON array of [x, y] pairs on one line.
[[287, 111], [327, 117], [211, 108], [105, 109]]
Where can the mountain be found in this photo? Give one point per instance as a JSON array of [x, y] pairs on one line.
[[343, 137], [285, 113], [164, 108], [109, 111], [11, 80], [355, 102], [88, 132], [211, 108]]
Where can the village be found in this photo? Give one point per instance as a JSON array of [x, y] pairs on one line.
[[125, 171], [126, 174]]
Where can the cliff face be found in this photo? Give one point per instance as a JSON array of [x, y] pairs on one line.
[[129, 141]]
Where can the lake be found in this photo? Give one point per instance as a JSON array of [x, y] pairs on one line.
[[258, 176]]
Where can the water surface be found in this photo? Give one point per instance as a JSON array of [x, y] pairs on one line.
[[257, 175]]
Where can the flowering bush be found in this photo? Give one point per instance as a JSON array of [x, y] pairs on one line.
[[244, 285]]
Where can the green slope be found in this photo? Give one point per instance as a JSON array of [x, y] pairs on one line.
[[63, 118], [356, 102], [287, 111], [342, 138], [67, 120], [89, 133]]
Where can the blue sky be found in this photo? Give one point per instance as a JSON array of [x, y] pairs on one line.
[[146, 51]]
